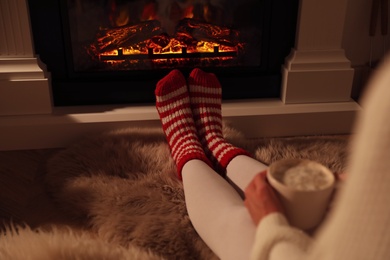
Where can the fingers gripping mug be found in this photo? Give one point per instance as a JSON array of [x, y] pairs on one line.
[[304, 187]]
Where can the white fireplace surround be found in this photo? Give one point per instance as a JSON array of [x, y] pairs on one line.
[[315, 97]]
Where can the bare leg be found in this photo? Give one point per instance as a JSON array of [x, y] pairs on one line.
[[217, 212]]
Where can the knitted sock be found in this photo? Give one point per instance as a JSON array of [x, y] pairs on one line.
[[206, 97], [173, 106]]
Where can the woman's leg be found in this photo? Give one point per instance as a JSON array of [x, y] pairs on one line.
[[215, 208], [217, 212], [241, 170], [233, 162], [173, 107], [206, 97]]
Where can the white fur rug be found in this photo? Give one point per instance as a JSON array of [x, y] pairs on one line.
[[121, 187]]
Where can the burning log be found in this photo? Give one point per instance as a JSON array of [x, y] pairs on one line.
[[161, 40], [189, 29], [149, 41], [115, 38]]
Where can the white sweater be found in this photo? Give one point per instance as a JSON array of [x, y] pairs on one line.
[[359, 225]]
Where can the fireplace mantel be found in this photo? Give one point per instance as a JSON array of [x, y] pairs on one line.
[[315, 96]]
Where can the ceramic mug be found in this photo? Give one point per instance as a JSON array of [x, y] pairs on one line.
[[305, 188]]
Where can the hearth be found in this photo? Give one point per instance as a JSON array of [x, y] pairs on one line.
[[114, 51]]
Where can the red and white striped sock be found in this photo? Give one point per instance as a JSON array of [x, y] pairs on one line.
[[206, 97], [174, 109]]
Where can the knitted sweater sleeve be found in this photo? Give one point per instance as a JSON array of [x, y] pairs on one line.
[[274, 233], [358, 227]]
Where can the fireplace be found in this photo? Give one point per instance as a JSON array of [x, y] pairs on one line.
[[114, 51], [315, 96]]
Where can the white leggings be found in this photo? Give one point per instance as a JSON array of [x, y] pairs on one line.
[[216, 208]]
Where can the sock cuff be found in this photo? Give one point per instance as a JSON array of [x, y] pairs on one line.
[[230, 155], [190, 156]]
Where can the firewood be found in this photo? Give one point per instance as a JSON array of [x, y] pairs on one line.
[[161, 40], [114, 38], [203, 31]]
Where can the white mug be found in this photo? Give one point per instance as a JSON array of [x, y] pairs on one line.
[[304, 187]]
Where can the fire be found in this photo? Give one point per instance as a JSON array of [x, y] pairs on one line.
[[173, 47], [149, 12], [147, 40], [188, 12]]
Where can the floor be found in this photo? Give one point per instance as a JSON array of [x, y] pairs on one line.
[[22, 190], [22, 194]]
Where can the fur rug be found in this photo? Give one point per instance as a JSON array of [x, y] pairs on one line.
[[121, 187]]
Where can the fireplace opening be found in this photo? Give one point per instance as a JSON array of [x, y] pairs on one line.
[[164, 34], [115, 51]]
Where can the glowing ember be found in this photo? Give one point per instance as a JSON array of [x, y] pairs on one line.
[[147, 40]]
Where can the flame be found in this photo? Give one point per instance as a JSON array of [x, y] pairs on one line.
[[188, 12], [112, 7], [149, 12], [118, 16], [121, 17]]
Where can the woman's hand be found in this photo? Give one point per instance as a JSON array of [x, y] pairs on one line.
[[342, 176], [261, 199]]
